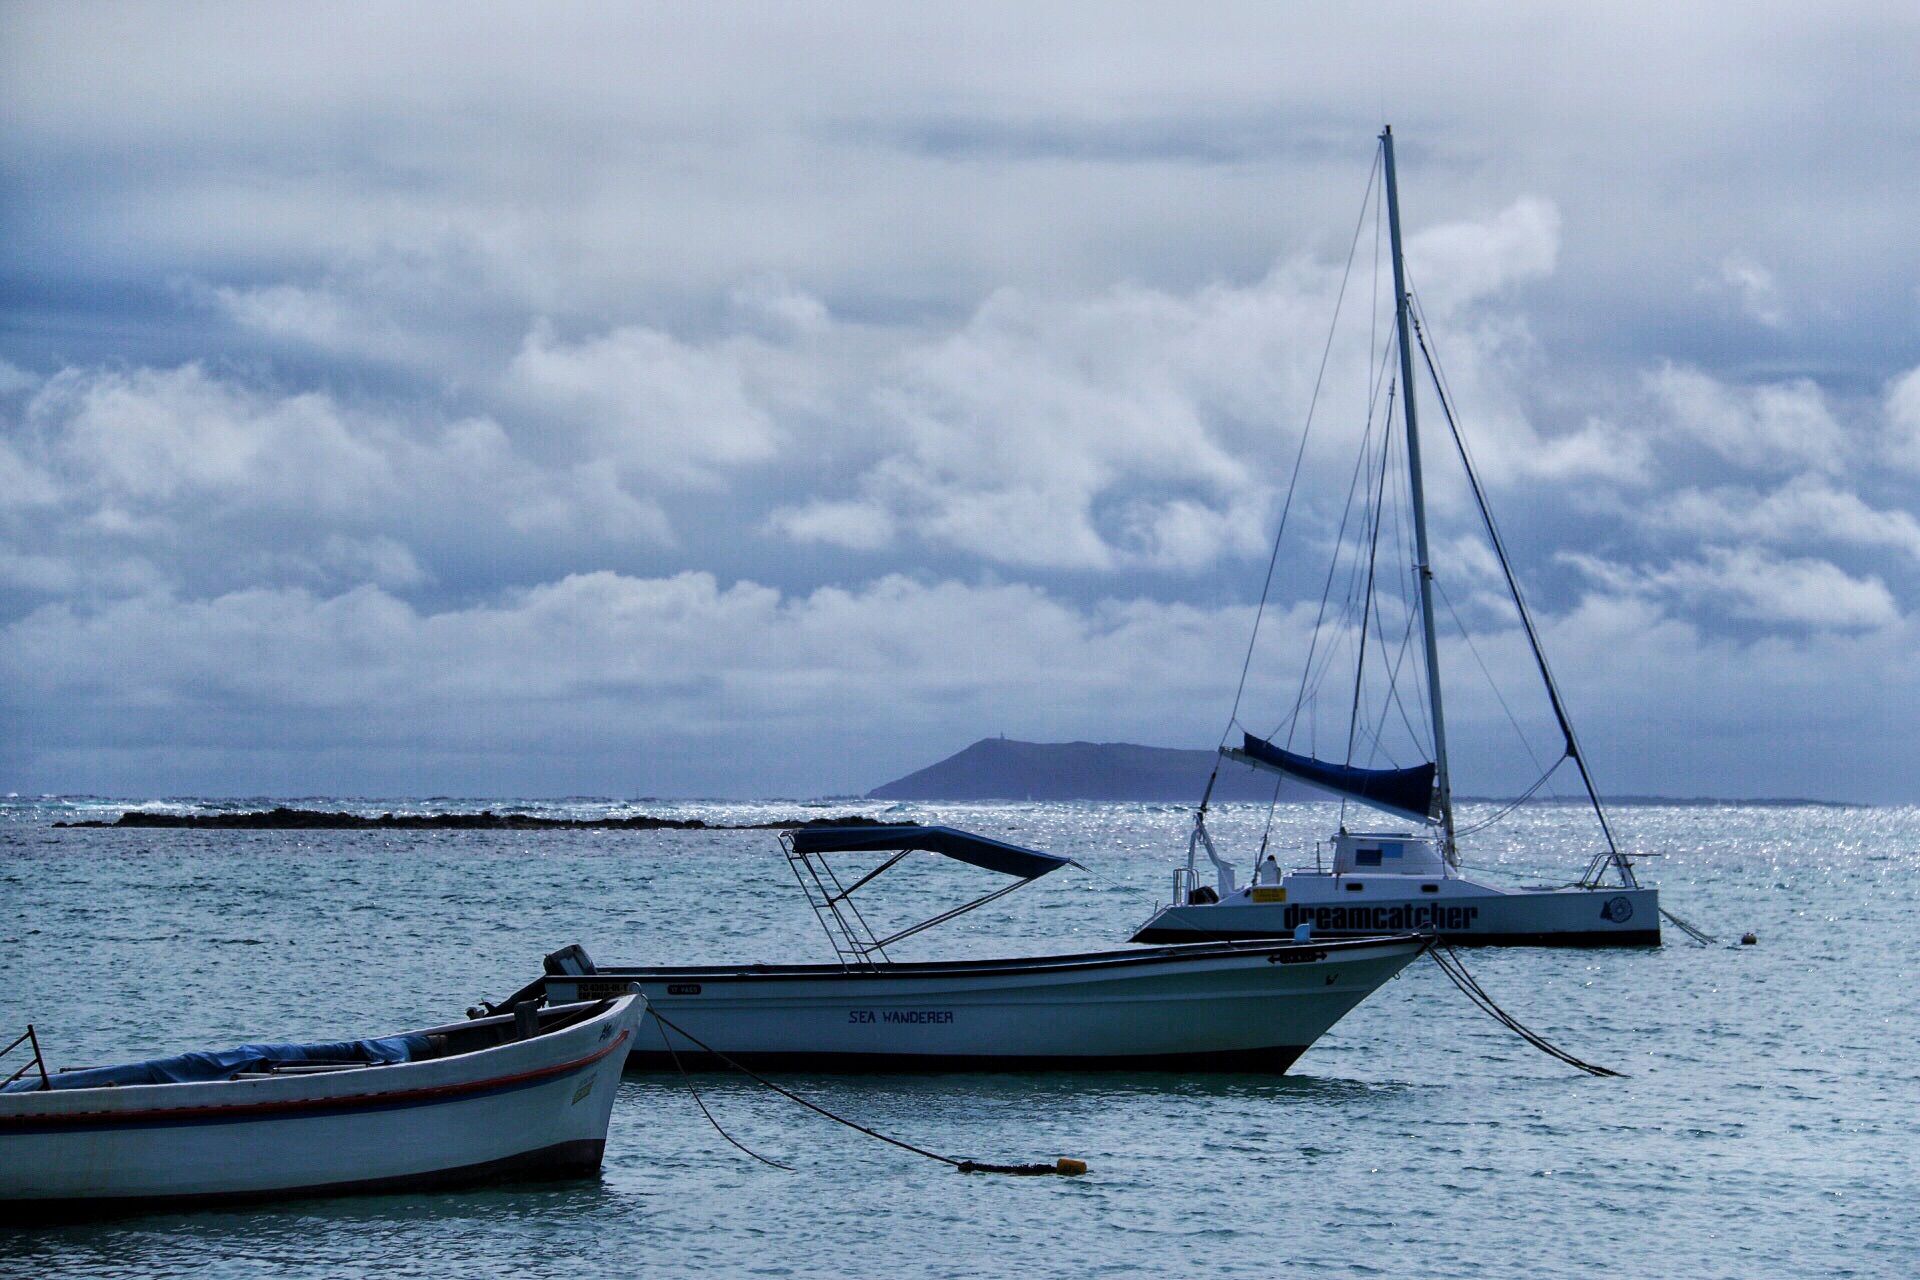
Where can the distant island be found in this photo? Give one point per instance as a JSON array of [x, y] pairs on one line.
[[1007, 769], [285, 819]]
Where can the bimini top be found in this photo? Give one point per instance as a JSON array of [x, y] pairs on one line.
[[962, 846]]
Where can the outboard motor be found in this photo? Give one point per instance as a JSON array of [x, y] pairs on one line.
[[571, 961]]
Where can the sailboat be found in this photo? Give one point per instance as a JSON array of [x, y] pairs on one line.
[[1406, 878]]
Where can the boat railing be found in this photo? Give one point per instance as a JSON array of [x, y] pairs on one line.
[[35, 1063]]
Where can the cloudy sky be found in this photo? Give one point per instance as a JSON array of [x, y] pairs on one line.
[[755, 400]]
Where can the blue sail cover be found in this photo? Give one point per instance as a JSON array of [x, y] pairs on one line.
[[962, 846], [1407, 792]]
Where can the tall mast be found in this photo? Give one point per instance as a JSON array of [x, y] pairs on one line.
[[1423, 567]]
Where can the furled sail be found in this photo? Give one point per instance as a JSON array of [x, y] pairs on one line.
[[1406, 792]]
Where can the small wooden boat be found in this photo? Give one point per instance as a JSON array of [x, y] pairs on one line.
[[1208, 1007], [522, 1095]]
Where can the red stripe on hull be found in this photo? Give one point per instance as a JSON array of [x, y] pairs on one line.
[[245, 1111]]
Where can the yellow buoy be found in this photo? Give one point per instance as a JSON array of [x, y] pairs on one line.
[[1069, 1166]]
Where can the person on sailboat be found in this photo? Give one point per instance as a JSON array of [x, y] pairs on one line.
[[1269, 872]]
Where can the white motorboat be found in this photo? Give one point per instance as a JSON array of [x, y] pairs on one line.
[[1210, 1007], [522, 1095], [1412, 879]]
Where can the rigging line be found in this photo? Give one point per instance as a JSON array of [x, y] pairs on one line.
[[1373, 295], [1395, 701], [1310, 684], [1306, 430], [1273, 806], [1498, 697], [1525, 796], [1366, 601], [1326, 590], [1391, 700], [1526, 615], [1407, 559]]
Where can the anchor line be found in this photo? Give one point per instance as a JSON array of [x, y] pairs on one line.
[[1449, 963], [964, 1166], [1700, 936], [700, 1102]]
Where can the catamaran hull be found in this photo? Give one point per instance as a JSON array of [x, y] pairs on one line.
[[538, 1108], [1526, 918], [1206, 1008]]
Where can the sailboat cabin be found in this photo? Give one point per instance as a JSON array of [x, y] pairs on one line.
[[1395, 853]]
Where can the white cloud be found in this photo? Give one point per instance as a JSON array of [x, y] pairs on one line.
[[580, 655], [1756, 290], [379, 560], [657, 407], [1805, 507], [1769, 427], [121, 478], [1902, 406], [309, 315], [1753, 584], [1464, 262], [857, 526], [24, 484], [14, 379], [681, 684], [158, 435], [1136, 428]]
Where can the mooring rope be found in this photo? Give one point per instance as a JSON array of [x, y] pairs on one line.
[[1449, 962], [700, 1102], [1700, 936], [1065, 1165]]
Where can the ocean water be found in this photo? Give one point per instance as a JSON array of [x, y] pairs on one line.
[[1768, 1125]]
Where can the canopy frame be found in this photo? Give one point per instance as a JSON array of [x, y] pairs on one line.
[[852, 938]]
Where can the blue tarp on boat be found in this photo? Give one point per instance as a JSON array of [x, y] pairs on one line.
[[962, 846], [201, 1067]]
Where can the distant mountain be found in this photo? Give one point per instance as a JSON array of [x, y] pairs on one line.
[[1003, 769]]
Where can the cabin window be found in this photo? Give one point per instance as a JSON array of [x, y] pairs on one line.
[[1366, 857], [1353, 887], [1429, 888]]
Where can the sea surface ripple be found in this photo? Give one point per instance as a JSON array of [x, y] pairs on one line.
[[1768, 1124]]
